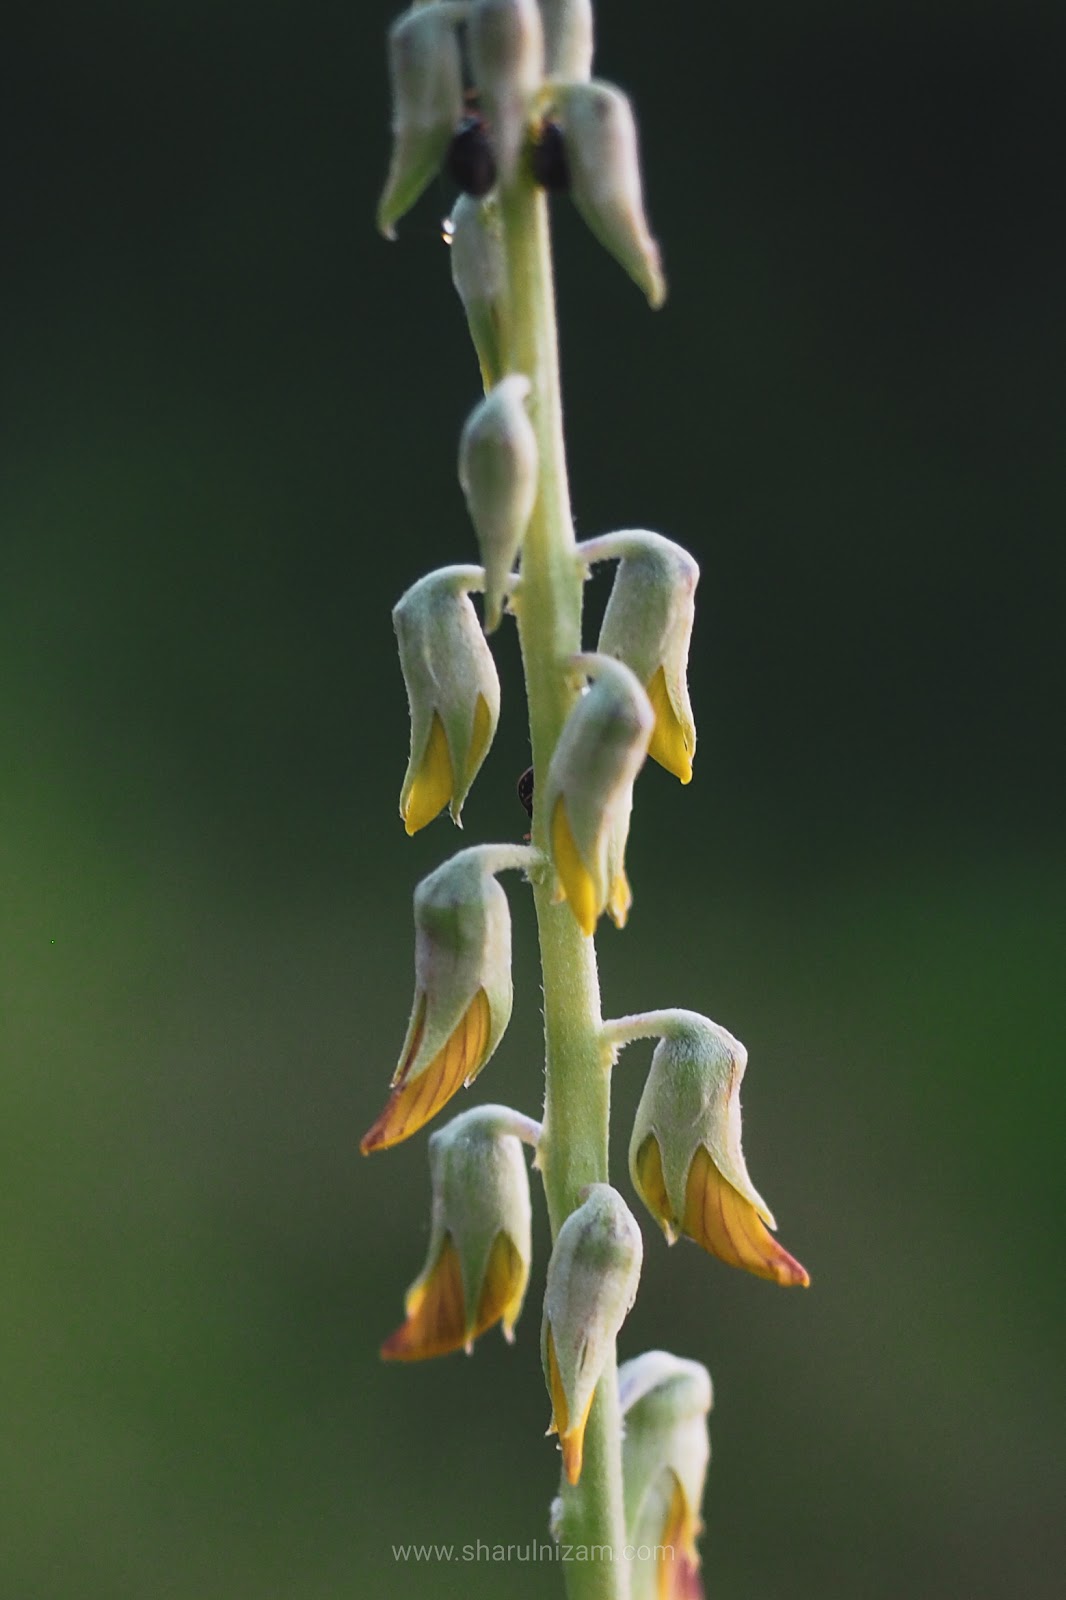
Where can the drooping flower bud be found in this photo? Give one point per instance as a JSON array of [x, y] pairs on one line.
[[592, 1282], [507, 53], [498, 472], [479, 273], [568, 39], [477, 1266], [601, 147], [452, 690], [665, 1452], [648, 625], [462, 988], [685, 1156], [426, 70], [588, 792]]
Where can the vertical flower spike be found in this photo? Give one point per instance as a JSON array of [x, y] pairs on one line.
[[601, 146], [592, 1282], [665, 1452], [568, 39], [479, 273], [452, 690], [507, 53], [426, 70], [498, 473], [477, 1266], [685, 1156], [648, 625], [462, 988], [588, 792]]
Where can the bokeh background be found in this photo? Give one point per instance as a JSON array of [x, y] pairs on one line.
[[229, 431]]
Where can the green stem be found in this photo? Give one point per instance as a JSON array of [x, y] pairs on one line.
[[573, 1146]]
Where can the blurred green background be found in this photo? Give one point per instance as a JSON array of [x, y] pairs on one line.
[[229, 431]]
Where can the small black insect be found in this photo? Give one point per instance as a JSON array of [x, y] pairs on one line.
[[525, 791], [470, 160], [551, 169]]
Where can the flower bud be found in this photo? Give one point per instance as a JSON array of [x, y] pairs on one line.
[[477, 1266], [479, 273], [507, 53], [592, 1282], [648, 625], [462, 988], [589, 790], [665, 1452], [568, 40], [601, 146], [426, 70], [498, 464], [452, 691], [685, 1157]]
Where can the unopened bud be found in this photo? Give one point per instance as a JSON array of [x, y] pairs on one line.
[[426, 70], [463, 992], [568, 39], [685, 1156], [648, 625], [479, 272], [477, 1265], [665, 1452], [507, 53], [498, 464], [452, 690], [592, 1282], [588, 792], [601, 146]]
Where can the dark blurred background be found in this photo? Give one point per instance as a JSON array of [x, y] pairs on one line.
[[229, 431]]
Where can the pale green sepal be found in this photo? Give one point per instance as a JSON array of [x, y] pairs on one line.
[[591, 1284], [601, 147], [595, 764], [692, 1098], [447, 666], [462, 944], [664, 1401], [568, 39], [426, 72], [480, 1187], [507, 55], [498, 463], [650, 613], [479, 273]]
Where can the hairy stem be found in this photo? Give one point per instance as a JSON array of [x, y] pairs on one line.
[[573, 1145]]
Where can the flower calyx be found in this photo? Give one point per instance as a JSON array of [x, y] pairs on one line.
[[498, 466], [665, 1452], [426, 72]]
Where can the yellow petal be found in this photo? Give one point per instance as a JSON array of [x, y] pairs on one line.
[[679, 1564], [437, 1323], [652, 1186], [571, 1434], [619, 900], [574, 876], [412, 1103], [720, 1219], [672, 743], [433, 783], [480, 734]]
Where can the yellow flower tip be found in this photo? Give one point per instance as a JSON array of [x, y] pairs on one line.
[[413, 1102], [433, 784], [679, 1572], [436, 1318], [571, 1434], [574, 877], [726, 1224], [620, 900], [672, 745], [503, 1288], [652, 1187]]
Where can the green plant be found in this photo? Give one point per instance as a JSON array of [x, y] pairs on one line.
[[542, 123]]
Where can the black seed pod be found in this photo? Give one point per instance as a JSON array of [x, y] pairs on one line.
[[470, 159], [550, 166]]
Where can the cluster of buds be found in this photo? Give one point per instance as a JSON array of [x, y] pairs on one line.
[[536, 114]]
